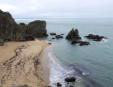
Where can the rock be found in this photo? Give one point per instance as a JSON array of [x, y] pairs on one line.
[[1, 42], [37, 29], [81, 43], [53, 38], [95, 37], [59, 84], [29, 38], [9, 29], [70, 79], [61, 34], [58, 36], [73, 35], [53, 34], [49, 43]]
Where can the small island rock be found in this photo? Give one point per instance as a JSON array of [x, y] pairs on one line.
[[73, 35]]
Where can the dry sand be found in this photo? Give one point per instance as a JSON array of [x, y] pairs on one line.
[[20, 64]]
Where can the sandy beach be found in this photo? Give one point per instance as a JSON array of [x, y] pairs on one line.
[[21, 64]]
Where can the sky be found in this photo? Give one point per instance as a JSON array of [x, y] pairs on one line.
[[58, 8]]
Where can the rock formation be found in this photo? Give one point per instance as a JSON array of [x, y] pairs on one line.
[[95, 37], [73, 35], [81, 43], [37, 29], [11, 31], [52, 34]]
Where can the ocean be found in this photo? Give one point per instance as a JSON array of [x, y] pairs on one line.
[[92, 65]]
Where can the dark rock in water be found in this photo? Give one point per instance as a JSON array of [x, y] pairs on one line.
[[53, 34], [1, 42], [37, 29], [61, 34], [95, 37], [81, 43], [59, 84], [53, 38], [70, 79], [73, 35], [58, 36]]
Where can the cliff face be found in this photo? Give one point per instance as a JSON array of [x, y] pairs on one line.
[[11, 31], [37, 28]]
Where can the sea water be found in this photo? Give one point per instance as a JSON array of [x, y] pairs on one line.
[[93, 64]]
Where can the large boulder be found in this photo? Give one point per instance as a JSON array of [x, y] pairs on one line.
[[73, 35], [37, 29], [94, 37], [70, 79]]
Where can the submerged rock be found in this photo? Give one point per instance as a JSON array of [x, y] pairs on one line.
[[53, 34], [58, 36], [81, 43], [73, 35], [95, 37]]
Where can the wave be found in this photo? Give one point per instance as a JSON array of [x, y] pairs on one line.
[[58, 73]]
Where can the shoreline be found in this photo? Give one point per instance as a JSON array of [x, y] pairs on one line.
[[20, 64]]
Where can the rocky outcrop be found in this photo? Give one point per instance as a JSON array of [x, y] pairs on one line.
[[58, 36], [37, 29], [52, 34], [11, 31], [70, 79], [81, 43], [95, 37], [73, 35]]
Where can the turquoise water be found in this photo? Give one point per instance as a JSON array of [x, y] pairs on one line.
[[95, 59]]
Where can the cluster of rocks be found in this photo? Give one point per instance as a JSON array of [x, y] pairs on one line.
[[94, 37], [11, 31], [74, 36], [56, 36], [69, 82]]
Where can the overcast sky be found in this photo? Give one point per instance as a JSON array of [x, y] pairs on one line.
[[58, 8]]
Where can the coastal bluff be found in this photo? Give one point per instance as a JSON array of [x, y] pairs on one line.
[[11, 31]]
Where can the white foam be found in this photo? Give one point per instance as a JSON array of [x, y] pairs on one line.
[[57, 72]]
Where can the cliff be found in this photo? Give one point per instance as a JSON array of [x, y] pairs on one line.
[[11, 31]]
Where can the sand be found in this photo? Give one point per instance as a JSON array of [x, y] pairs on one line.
[[20, 64]]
